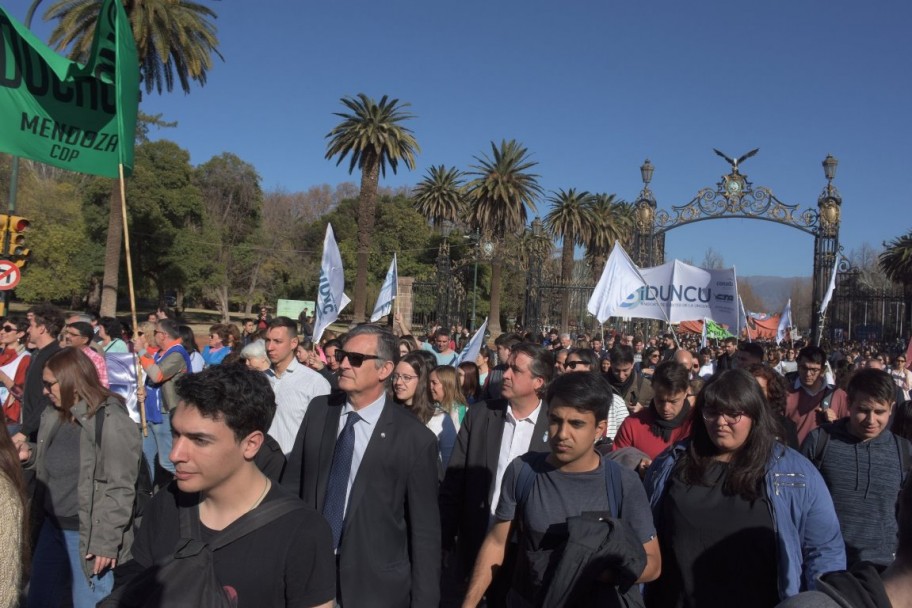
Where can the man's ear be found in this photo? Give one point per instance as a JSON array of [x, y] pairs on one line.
[[252, 443]]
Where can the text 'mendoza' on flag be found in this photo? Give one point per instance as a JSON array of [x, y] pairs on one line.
[[63, 113]]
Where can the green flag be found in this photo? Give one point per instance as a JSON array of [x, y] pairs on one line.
[[715, 331], [60, 112]]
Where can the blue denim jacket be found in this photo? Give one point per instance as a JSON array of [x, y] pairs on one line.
[[807, 530]]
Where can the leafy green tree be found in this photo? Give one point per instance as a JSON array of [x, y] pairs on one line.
[[372, 134], [571, 219], [501, 189], [175, 40], [63, 257], [233, 200]]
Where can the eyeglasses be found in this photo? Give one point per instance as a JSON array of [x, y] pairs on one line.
[[397, 377], [654, 356], [356, 359], [9, 328], [733, 418], [48, 385], [813, 371], [575, 364]]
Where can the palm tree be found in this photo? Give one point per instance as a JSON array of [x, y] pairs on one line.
[[371, 132], [896, 259], [571, 219], [613, 221], [501, 190], [174, 39], [440, 196]]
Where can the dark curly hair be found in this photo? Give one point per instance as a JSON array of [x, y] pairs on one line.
[[239, 396]]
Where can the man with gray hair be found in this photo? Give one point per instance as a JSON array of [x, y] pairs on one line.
[[371, 468]]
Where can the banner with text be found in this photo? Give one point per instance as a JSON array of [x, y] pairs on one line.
[[60, 112], [680, 292]]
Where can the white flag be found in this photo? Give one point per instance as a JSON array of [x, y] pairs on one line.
[[470, 351], [785, 322], [619, 280], [742, 321], [703, 340], [388, 293], [330, 297], [829, 292]]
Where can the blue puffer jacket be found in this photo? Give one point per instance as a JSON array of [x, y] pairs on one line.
[[807, 531]]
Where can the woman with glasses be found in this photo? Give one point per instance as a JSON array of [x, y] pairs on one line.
[[901, 375], [652, 356], [741, 518], [14, 363], [86, 484], [410, 385]]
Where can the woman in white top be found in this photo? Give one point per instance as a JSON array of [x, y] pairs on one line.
[[14, 363], [188, 340]]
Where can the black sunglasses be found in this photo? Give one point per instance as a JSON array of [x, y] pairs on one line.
[[574, 364], [356, 359], [9, 328]]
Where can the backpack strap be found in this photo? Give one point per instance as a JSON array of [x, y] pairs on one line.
[[903, 447], [613, 484], [249, 522], [823, 438], [526, 478]]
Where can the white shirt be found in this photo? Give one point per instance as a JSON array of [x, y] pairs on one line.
[[515, 441], [364, 430], [617, 414], [293, 390]]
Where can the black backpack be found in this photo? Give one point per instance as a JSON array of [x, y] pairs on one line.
[[187, 579], [143, 485]]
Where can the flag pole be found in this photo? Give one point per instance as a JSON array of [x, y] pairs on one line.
[[140, 385]]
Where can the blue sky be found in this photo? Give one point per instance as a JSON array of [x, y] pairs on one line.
[[592, 89]]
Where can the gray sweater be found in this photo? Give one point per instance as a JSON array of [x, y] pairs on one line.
[[864, 479]]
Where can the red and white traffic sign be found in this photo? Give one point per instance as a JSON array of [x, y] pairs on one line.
[[10, 275]]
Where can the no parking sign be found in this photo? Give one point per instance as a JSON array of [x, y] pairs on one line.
[[10, 275]]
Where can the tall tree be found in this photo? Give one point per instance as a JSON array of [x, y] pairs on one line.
[[612, 221], [175, 40], [233, 205], [571, 219], [501, 189], [373, 135], [440, 196]]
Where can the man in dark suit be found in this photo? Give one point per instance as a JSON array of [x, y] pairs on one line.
[[371, 468], [493, 433]]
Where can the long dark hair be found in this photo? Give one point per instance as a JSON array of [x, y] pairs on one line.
[[732, 391], [421, 406], [78, 381]]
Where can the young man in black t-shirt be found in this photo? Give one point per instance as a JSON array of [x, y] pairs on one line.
[[219, 426]]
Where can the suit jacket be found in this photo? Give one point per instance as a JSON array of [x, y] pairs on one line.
[[468, 486], [390, 551]]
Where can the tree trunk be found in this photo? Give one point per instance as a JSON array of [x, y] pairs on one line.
[[222, 294], [112, 255], [494, 314], [248, 304], [566, 279], [367, 206]]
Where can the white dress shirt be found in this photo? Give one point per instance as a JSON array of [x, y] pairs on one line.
[[364, 430], [293, 390], [515, 441]]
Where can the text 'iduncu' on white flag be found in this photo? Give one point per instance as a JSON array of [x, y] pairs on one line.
[[388, 293], [619, 279], [470, 351], [330, 296], [785, 322]]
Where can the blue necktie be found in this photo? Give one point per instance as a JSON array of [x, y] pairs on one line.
[[337, 486]]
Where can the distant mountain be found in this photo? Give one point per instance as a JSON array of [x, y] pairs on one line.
[[774, 291]]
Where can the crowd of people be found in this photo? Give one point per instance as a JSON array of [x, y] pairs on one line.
[[377, 467]]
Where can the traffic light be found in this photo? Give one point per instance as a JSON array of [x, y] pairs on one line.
[[18, 226]]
